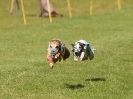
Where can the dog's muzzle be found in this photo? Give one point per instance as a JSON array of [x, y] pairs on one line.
[[77, 54], [53, 51], [76, 51]]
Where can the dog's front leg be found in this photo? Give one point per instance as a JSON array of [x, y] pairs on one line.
[[57, 55], [82, 56], [50, 60]]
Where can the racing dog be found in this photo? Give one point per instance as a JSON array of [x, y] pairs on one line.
[[82, 50], [56, 52]]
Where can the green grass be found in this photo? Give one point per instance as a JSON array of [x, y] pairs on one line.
[[25, 74]]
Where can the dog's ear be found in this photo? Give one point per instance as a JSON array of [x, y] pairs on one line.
[[72, 45]]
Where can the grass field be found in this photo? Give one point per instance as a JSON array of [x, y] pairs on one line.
[[25, 74]]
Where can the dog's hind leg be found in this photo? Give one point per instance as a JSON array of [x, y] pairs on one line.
[[91, 55], [66, 54]]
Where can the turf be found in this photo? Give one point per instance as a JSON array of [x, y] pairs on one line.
[[25, 74]]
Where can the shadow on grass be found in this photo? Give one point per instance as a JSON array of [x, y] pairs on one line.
[[96, 79], [74, 86]]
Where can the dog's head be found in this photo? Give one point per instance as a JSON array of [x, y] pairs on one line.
[[54, 46], [77, 48]]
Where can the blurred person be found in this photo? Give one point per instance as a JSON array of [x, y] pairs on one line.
[[43, 8], [43, 5], [14, 7]]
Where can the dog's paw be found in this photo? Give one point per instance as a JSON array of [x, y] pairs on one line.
[[50, 61], [51, 65], [75, 58], [57, 55]]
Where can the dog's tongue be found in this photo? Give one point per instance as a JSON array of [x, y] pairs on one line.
[[50, 59]]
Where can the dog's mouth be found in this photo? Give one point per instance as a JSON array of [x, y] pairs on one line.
[[77, 51], [77, 54], [54, 50]]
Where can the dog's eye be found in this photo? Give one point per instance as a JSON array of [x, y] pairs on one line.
[[50, 46], [80, 47], [57, 47]]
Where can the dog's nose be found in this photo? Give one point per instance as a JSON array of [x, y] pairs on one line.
[[53, 51]]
